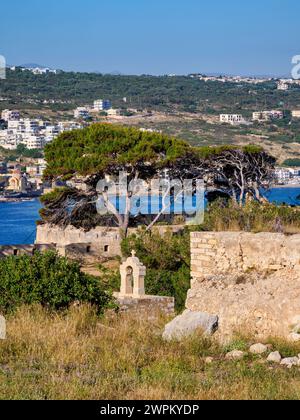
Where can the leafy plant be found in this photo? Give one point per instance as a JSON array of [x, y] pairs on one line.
[[49, 280]]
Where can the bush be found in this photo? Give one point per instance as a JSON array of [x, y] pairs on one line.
[[253, 217], [49, 280]]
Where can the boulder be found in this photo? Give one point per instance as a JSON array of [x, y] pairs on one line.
[[294, 338], [235, 355], [258, 349], [274, 357], [209, 360], [290, 361], [190, 322], [296, 329], [2, 328]]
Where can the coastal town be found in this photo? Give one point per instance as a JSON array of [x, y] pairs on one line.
[[22, 177]]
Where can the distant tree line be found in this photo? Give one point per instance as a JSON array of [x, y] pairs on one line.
[[162, 93]]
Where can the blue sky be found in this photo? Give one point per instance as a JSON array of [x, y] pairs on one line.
[[153, 36]]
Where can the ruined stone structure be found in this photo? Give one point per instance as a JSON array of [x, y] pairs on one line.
[[132, 296], [99, 242], [15, 250], [250, 281], [91, 246]]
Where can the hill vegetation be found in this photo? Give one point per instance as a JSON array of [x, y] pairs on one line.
[[164, 93], [179, 106]]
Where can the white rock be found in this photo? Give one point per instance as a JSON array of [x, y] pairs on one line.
[[296, 329], [2, 328], [296, 319], [258, 349], [235, 355], [274, 357], [290, 361], [294, 338], [209, 360], [188, 323]]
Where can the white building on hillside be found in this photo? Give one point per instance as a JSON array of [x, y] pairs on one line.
[[8, 115], [102, 105], [113, 112], [296, 114], [232, 118], [267, 115], [81, 112], [34, 142], [50, 132], [282, 85]]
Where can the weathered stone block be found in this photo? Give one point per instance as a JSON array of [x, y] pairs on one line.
[[2, 328], [188, 323]]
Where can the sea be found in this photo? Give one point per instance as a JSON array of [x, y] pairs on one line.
[[18, 220]]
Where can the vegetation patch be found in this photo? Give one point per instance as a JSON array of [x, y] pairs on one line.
[[73, 355], [49, 280]]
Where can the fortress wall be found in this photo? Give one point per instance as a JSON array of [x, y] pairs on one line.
[[98, 243], [9, 250], [101, 241], [251, 281]]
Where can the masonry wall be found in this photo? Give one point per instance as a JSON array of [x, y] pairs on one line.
[[15, 250], [220, 252], [147, 306], [96, 243], [101, 241], [251, 281]]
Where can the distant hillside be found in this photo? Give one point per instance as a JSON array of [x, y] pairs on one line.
[[24, 89]]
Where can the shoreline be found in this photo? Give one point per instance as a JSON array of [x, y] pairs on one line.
[[285, 186], [17, 200]]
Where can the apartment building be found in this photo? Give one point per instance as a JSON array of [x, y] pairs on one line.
[[113, 112], [231, 118], [33, 142], [282, 85], [81, 112], [296, 114], [267, 115], [102, 105], [10, 115]]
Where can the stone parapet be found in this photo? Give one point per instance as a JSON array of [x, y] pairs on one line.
[[146, 305], [251, 281]]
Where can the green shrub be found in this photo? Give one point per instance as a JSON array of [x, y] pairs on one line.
[[253, 217], [49, 280]]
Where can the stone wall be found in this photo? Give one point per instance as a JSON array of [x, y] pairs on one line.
[[15, 250], [101, 241], [98, 243], [251, 281], [146, 305]]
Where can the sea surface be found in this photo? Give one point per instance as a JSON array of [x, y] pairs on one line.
[[18, 220]]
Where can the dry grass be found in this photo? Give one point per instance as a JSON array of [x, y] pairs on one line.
[[77, 356]]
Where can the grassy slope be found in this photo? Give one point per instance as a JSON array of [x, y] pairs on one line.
[[76, 357]]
